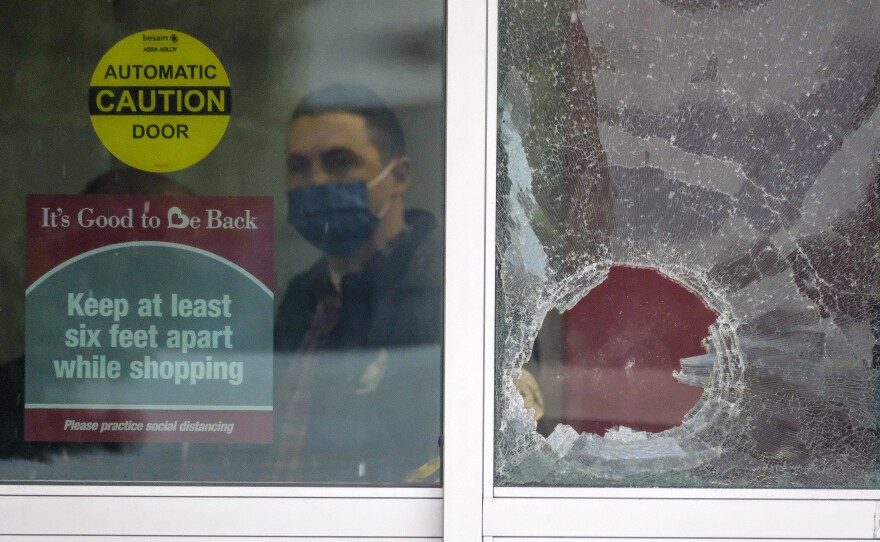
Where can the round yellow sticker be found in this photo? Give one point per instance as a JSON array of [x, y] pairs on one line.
[[160, 100]]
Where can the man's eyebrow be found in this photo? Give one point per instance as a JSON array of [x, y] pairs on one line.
[[296, 156], [334, 151]]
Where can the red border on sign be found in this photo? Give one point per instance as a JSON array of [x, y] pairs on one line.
[[48, 425], [50, 246]]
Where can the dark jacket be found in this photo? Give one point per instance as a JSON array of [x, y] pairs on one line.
[[395, 300], [374, 405]]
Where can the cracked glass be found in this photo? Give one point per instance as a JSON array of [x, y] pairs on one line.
[[687, 243]]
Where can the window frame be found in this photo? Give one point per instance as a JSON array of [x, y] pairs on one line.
[[468, 506], [376, 513], [546, 513]]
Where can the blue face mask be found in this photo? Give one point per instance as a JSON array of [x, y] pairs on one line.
[[335, 217]]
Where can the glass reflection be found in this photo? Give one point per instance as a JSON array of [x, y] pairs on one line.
[[357, 401]]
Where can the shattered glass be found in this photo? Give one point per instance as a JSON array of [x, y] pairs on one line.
[[732, 146]]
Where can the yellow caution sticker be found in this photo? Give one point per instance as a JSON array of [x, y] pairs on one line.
[[160, 100]]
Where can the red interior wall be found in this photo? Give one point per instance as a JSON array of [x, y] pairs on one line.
[[622, 342]]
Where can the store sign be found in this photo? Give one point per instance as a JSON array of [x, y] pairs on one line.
[[160, 100], [149, 319]]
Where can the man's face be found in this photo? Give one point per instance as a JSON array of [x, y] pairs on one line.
[[335, 147]]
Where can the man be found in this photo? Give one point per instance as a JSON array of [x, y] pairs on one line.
[[357, 335]]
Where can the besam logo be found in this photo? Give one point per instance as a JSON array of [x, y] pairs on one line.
[[159, 37], [160, 100]]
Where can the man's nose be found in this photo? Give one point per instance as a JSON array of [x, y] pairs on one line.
[[318, 175]]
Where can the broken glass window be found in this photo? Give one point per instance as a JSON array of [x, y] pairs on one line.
[[687, 243]]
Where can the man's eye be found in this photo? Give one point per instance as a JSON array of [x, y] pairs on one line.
[[340, 163], [297, 165]]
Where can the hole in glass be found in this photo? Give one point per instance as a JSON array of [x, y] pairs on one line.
[[620, 346]]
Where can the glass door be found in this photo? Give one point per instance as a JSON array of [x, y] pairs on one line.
[[226, 263]]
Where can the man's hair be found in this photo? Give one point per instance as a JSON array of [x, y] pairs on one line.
[[382, 123]]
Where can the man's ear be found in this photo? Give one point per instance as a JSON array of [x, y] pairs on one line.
[[401, 175]]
